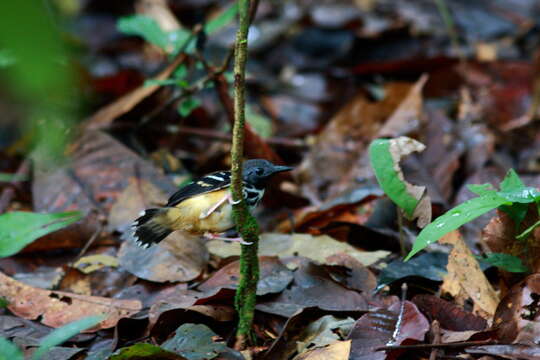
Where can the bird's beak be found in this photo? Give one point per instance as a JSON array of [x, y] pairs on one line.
[[279, 168]]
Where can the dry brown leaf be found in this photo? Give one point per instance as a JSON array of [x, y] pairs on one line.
[[317, 248], [401, 147], [104, 116], [140, 194], [465, 279], [340, 150], [339, 350], [180, 257], [58, 308], [101, 168]]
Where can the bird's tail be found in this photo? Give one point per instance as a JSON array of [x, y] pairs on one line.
[[151, 227]]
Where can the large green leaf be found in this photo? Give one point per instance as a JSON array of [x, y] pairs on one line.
[[453, 219], [64, 333], [19, 228], [9, 351]]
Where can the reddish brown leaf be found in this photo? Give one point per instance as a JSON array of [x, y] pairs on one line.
[[274, 276], [517, 318], [58, 308], [449, 316], [377, 328]]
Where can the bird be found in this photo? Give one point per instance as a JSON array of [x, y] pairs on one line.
[[204, 206]]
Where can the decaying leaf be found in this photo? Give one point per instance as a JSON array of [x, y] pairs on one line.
[[336, 351], [58, 308], [385, 155], [339, 149], [465, 280], [317, 248]]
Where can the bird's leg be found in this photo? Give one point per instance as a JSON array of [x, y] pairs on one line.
[[234, 239], [214, 207]]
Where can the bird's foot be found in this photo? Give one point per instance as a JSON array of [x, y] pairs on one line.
[[223, 238]]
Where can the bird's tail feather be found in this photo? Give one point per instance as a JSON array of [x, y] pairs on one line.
[[151, 227]]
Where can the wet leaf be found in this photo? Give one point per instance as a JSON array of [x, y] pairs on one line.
[[453, 219], [18, 229], [58, 308], [195, 342]]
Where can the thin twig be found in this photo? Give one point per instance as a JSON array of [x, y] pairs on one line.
[[246, 224], [437, 346]]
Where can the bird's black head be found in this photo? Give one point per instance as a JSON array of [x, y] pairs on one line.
[[257, 171]]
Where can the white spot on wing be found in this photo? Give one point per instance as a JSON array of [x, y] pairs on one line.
[[215, 177]]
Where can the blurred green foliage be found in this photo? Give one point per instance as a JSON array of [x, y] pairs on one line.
[[36, 69]]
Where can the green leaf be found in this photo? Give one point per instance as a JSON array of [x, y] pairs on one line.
[[453, 219], [513, 189], [152, 82], [64, 333], [9, 351], [528, 231], [7, 177], [6, 58], [481, 189], [145, 27], [511, 182], [19, 228], [222, 19], [178, 40], [195, 342], [3, 302], [517, 212], [188, 105], [144, 351], [506, 262], [260, 123], [382, 163]]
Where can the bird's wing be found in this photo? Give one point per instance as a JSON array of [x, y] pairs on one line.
[[208, 183]]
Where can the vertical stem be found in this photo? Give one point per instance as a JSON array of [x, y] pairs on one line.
[[246, 225]]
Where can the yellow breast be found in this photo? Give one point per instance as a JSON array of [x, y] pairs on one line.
[[185, 216]]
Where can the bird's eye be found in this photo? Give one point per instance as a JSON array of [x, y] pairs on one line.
[[259, 172]]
